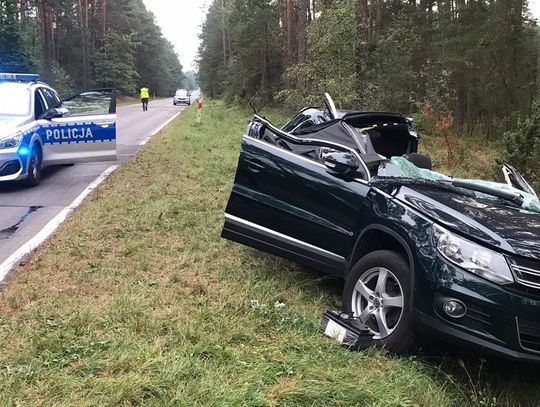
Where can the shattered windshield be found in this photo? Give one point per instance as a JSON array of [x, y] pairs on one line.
[[400, 167]]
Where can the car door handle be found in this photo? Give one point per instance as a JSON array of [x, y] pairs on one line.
[[255, 166]]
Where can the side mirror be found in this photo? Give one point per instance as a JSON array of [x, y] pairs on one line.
[[341, 162], [54, 113]]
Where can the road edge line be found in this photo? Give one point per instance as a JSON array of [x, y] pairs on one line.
[[156, 131], [39, 238]]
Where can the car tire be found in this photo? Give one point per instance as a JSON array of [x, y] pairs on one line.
[[385, 274], [34, 166]]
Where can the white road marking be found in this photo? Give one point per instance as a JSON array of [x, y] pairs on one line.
[[54, 223], [51, 227], [156, 131]]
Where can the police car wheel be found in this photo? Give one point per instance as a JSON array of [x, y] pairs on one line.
[[34, 167]]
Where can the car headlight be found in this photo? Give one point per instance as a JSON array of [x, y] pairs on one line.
[[11, 141], [472, 257]]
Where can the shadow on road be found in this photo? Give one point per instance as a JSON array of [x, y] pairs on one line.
[[11, 186]]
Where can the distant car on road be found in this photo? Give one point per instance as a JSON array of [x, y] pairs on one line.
[[37, 129], [182, 96]]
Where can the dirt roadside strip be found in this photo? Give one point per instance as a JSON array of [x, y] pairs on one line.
[[136, 300]]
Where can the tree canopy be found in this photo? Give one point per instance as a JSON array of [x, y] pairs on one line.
[[474, 60], [79, 44]]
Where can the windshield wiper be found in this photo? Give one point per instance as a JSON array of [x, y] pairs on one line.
[[507, 196]]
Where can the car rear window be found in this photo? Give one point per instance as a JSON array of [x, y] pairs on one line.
[[14, 99]]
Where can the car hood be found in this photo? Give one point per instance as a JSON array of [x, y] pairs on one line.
[[9, 125], [506, 227]]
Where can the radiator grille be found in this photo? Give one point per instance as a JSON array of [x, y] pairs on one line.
[[526, 272]]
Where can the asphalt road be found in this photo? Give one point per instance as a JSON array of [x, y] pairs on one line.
[[25, 211]]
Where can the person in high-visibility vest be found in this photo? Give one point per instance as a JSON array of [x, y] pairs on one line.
[[145, 97]]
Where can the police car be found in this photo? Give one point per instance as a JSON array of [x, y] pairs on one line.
[[38, 130]]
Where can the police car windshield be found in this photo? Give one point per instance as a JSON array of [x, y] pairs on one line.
[[14, 99], [181, 93]]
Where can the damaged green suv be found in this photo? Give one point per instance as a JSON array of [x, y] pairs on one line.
[[346, 193]]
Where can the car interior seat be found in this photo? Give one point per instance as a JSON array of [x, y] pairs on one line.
[[420, 160]]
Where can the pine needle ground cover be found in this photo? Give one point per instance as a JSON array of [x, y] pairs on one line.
[[137, 301]]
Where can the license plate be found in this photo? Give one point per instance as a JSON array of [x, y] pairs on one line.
[[333, 330]]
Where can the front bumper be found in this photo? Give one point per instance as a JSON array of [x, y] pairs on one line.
[[504, 320], [445, 332], [186, 101], [12, 166]]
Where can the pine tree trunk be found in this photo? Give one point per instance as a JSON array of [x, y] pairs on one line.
[[82, 20], [371, 17], [362, 50], [47, 39], [292, 51], [104, 15], [538, 65], [378, 16], [283, 20], [224, 31], [460, 108], [302, 30]]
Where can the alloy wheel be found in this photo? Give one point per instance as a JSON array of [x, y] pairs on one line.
[[377, 300]]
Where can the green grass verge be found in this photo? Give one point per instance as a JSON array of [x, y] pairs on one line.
[[137, 301]]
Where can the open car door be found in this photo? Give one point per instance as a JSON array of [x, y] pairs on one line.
[[80, 129], [282, 183], [515, 179]]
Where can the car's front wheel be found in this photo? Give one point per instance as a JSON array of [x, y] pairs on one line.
[[34, 167], [378, 291]]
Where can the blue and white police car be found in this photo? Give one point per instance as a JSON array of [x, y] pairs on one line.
[[37, 129]]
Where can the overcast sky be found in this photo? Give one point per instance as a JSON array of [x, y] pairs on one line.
[[534, 6], [181, 20]]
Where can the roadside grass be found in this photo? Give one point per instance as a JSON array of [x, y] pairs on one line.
[[473, 157], [138, 301]]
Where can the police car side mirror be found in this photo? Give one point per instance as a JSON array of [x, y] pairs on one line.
[[54, 113]]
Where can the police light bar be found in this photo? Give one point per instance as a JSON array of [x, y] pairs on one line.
[[19, 77]]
